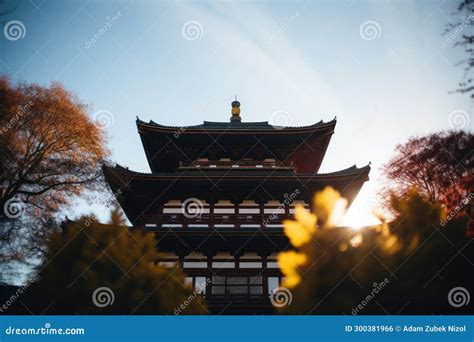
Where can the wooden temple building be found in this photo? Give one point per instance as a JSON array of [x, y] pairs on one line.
[[216, 197]]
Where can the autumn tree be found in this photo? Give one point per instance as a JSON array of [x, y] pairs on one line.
[[94, 268], [462, 33], [440, 165], [50, 151]]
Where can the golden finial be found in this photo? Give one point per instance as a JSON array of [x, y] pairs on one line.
[[235, 111]]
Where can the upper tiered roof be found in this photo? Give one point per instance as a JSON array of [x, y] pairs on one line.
[[210, 126], [302, 148]]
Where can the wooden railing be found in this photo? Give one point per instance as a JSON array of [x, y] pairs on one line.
[[236, 164], [212, 215], [216, 219]]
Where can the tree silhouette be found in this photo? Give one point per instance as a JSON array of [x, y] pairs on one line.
[[94, 268], [440, 165], [462, 31], [50, 151]]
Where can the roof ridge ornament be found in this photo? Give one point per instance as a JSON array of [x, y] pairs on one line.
[[235, 118]]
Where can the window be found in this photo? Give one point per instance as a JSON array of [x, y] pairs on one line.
[[218, 280], [237, 285], [223, 264], [200, 285], [194, 264], [273, 264], [250, 264], [272, 284]]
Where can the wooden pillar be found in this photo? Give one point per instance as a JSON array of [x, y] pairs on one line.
[[211, 215], [160, 210], [261, 205], [236, 209], [184, 218], [236, 202], [237, 255], [181, 255], [264, 256], [210, 255], [212, 203]]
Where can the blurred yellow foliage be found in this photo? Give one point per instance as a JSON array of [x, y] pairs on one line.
[[300, 231], [289, 263], [330, 208]]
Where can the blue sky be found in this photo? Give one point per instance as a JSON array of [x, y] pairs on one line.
[[179, 63]]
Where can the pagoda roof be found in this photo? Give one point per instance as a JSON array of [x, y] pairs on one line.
[[205, 173], [234, 127], [142, 191], [303, 148]]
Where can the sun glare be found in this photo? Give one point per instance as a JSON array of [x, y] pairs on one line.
[[362, 211]]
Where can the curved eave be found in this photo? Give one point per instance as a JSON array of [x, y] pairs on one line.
[[152, 127], [122, 176], [140, 191]]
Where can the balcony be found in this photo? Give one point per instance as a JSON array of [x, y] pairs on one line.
[[217, 220], [205, 215], [241, 164]]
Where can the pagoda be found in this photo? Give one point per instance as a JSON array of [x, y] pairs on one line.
[[216, 198]]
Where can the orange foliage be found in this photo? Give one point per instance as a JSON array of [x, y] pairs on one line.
[[50, 148]]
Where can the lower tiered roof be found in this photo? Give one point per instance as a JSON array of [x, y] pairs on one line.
[[142, 193]]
